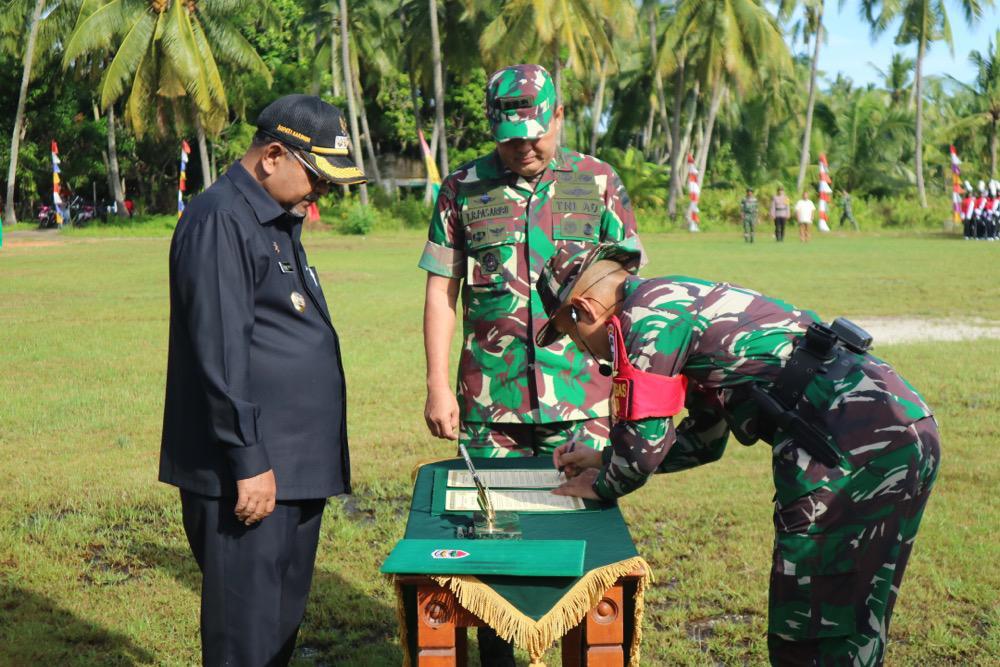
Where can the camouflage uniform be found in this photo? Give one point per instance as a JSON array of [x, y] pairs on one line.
[[843, 534], [748, 207], [495, 230]]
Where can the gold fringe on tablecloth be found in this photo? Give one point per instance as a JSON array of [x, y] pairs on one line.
[[537, 636]]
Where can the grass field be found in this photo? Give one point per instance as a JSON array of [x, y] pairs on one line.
[[94, 568]]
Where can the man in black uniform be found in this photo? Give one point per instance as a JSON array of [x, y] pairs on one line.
[[254, 427]]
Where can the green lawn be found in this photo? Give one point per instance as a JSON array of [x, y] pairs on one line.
[[94, 568]]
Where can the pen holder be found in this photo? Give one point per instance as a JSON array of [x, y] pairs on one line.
[[506, 526]]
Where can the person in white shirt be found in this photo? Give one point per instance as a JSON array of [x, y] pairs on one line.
[[804, 209]]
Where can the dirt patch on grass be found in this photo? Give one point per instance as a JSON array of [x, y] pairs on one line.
[[896, 330]]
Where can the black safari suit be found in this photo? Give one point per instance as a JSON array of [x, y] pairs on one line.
[[254, 382]]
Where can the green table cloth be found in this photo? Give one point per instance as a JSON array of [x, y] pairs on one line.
[[533, 612]]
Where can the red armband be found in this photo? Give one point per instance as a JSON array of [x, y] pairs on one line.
[[637, 394]]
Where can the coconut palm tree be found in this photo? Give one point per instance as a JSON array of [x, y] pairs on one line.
[[870, 135], [985, 95], [730, 43], [352, 107], [12, 28], [432, 10], [922, 22], [896, 78], [811, 25], [165, 50]]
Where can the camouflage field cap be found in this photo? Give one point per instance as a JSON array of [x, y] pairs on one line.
[[558, 279], [520, 101]]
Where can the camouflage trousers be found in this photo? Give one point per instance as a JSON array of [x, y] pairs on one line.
[[748, 226], [499, 440], [839, 557]]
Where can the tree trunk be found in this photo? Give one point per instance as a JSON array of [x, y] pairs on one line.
[[557, 82], [104, 156], [713, 110], [212, 165], [335, 72], [9, 216], [114, 175], [647, 130], [438, 87], [359, 96], [993, 148], [598, 109], [675, 135], [684, 148], [657, 79], [807, 134], [352, 112], [206, 169], [918, 153]]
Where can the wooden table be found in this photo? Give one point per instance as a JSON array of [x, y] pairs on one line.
[[602, 639]]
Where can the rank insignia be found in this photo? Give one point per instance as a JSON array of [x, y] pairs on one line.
[[277, 250]]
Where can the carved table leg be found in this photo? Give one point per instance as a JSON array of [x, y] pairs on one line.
[[605, 631], [437, 641]]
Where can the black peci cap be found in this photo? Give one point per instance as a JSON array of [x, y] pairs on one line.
[[318, 130]]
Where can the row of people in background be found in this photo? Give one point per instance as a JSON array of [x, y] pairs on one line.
[[981, 214], [781, 211]]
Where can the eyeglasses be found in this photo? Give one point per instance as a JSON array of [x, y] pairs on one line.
[[316, 179]]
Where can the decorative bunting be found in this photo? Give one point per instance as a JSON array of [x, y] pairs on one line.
[[433, 175], [694, 191], [182, 179], [825, 191], [56, 199], [956, 188]]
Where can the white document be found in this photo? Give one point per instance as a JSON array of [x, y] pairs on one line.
[[509, 479], [513, 501]]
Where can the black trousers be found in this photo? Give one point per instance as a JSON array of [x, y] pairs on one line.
[[779, 228], [255, 580]]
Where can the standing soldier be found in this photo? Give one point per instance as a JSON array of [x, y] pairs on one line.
[[847, 209], [980, 213], [968, 213], [498, 219], [748, 207], [855, 450], [993, 212]]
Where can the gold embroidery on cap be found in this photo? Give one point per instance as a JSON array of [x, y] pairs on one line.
[[294, 133]]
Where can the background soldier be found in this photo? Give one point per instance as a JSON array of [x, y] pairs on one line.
[[748, 207], [980, 213], [993, 212], [968, 213], [855, 448], [847, 209], [497, 220]]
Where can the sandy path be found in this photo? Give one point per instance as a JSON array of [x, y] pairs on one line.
[[893, 330]]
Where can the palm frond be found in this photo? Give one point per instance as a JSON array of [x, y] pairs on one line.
[[133, 49]]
